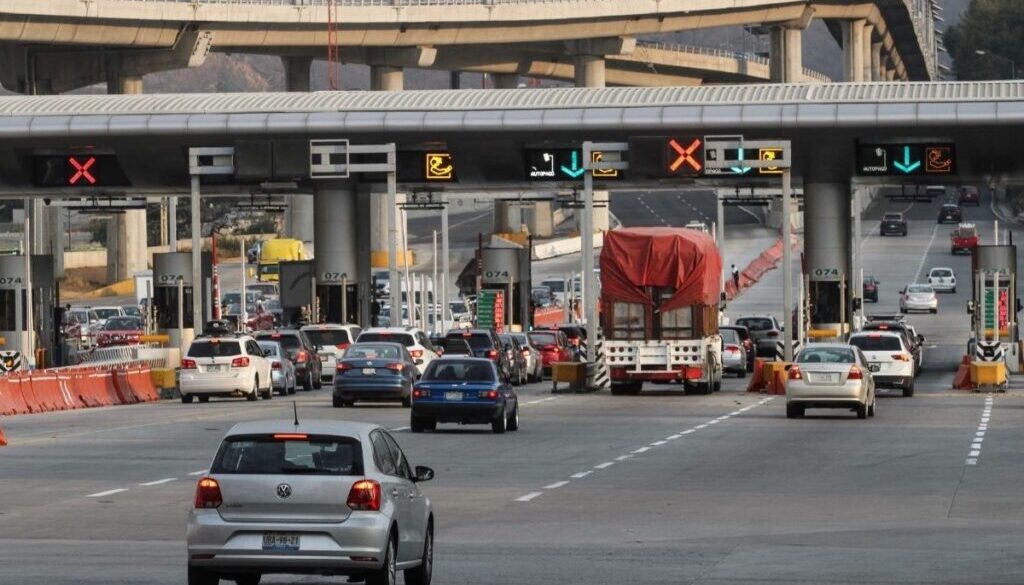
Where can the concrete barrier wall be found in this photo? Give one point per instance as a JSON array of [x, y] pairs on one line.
[[563, 247], [95, 258]]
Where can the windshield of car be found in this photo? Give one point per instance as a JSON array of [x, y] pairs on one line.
[[555, 285], [892, 216], [756, 323], [448, 370], [298, 454], [826, 355], [106, 313], [476, 341], [457, 307], [132, 311], [115, 323], [270, 349], [404, 338], [942, 272], [919, 288], [272, 305], [327, 337], [288, 341], [541, 338], [876, 343], [372, 351], [213, 348]]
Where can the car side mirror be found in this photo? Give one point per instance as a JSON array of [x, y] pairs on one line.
[[903, 290], [423, 473]]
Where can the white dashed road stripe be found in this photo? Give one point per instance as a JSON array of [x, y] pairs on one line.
[[979, 435], [604, 465], [158, 482], [528, 497], [200, 472], [107, 493], [556, 485], [581, 474]]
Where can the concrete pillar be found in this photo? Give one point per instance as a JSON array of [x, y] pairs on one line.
[[876, 62], [507, 216], [867, 46], [785, 63], [126, 233], [542, 219], [385, 78], [589, 71], [378, 215], [505, 80], [827, 247], [296, 73], [853, 49], [890, 74], [336, 231]]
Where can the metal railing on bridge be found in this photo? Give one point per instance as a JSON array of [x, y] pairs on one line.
[[726, 54]]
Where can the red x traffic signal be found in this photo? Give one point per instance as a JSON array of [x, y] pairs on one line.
[[684, 156]]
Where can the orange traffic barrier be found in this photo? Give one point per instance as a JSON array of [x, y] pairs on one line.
[[3, 439], [757, 380], [962, 379], [778, 385], [547, 317], [11, 399]]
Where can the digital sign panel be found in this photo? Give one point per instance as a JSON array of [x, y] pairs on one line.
[[434, 166], [906, 159], [78, 170], [564, 164], [666, 157]]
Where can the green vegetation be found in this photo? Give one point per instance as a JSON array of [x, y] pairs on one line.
[[986, 43]]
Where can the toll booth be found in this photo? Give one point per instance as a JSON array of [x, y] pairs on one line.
[[168, 269], [298, 304], [505, 266], [338, 301], [13, 303], [994, 293]]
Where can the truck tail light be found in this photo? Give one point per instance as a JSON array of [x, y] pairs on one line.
[[188, 364], [208, 493], [795, 373], [240, 362], [364, 496], [855, 374]]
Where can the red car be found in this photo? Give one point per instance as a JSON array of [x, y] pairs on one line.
[[964, 238], [969, 194], [119, 331], [553, 347]]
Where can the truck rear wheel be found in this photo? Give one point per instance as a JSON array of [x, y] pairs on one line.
[[626, 388]]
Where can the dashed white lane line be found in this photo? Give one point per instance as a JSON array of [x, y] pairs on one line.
[[107, 493], [924, 256], [530, 496], [540, 400], [200, 472], [979, 435], [158, 482]]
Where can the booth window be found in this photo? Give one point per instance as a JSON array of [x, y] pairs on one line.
[[165, 300], [8, 316], [627, 321]]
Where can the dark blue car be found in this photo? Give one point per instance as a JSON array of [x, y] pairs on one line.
[[464, 390], [374, 371]]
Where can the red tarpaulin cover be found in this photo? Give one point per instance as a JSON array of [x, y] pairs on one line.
[[681, 258]]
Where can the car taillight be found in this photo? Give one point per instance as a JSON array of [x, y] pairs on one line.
[[275, 365], [302, 356], [364, 496], [420, 393], [549, 348], [526, 352], [240, 362], [208, 493], [341, 367], [795, 373], [855, 374], [188, 364], [416, 353], [343, 346], [773, 334], [732, 348], [489, 394], [900, 357], [493, 354], [396, 366]]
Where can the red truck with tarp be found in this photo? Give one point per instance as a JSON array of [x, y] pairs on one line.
[[964, 238], [660, 291]]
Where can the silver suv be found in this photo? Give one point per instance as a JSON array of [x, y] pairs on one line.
[[275, 502]]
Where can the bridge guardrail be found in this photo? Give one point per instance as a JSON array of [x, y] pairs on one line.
[[727, 54]]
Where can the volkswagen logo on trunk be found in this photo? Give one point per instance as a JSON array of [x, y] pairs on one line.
[[284, 490]]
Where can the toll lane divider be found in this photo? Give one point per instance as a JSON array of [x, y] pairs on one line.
[[749, 276], [51, 390]]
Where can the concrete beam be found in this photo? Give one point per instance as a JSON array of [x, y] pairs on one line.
[[386, 78], [589, 71], [876, 61], [605, 46], [420, 57]]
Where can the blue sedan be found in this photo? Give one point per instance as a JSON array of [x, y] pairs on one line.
[[374, 371], [464, 390]]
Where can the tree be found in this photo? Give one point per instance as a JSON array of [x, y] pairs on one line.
[[994, 28]]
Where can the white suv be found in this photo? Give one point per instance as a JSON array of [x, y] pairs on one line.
[[413, 338], [332, 340], [890, 360], [230, 365], [942, 279]]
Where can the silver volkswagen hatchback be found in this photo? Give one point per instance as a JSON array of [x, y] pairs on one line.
[[320, 497]]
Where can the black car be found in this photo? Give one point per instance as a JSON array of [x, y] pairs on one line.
[[950, 213], [516, 359], [893, 224], [483, 343], [302, 352], [748, 343], [870, 290], [374, 371]]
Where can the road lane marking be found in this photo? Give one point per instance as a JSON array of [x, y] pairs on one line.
[[986, 415], [623, 457], [158, 482], [658, 443], [673, 437], [581, 474], [974, 453], [556, 485], [640, 450], [924, 257], [200, 472], [687, 431], [712, 422], [529, 496], [700, 426], [107, 493], [604, 465]]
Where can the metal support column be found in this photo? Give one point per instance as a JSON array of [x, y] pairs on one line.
[[197, 269], [445, 272], [787, 264]]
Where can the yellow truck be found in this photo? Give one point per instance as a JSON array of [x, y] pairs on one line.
[[272, 252]]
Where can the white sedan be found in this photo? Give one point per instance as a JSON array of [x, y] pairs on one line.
[[919, 297], [830, 375]]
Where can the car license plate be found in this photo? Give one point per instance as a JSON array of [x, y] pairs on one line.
[[323, 357], [874, 366], [453, 395], [280, 541], [369, 371], [215, 368]]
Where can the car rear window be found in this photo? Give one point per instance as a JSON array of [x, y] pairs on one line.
[[920, 289], [372, 351], [448, 370], [544, 338], [892, 217], [823, 355], [756, 324], [942, 273], [289, 453], [476, 341], [403, 338], [288, 340], [328, 336], [270, 349], [122, 323], [107, 313], [880, 343], [730, 336], [205, 349]]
